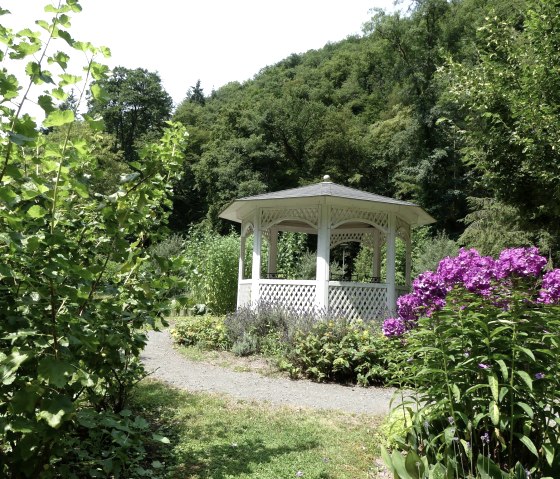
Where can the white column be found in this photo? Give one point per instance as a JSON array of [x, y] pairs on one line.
[[241, 266], [272, 251], [390, 267], [323, 258], [408, 266], [256, 269], [376, 253]]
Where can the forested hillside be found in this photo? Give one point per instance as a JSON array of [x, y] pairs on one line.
[[453, 105]]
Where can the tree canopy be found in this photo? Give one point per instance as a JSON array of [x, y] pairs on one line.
[[135, 107]]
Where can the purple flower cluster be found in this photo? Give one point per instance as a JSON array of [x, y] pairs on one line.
[[550, 292], [393, 327], [478, 274], [520, 262]]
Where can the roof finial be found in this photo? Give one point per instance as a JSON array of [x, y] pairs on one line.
[[326, 178]]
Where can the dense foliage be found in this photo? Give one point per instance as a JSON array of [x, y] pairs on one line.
[[324, 350], [74, 296], [134, 107], [483, 337]]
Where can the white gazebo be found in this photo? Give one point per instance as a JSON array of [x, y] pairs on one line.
[[337, 215]]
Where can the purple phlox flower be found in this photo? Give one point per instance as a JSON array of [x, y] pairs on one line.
[[520, 262], [469, 269], [483, 366], [539, 375], [393, 327], [485, 438], [450, 420], [409, 307], [550, 292], [431, 291]]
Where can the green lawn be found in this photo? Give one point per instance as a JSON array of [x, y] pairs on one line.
[[216, 438]]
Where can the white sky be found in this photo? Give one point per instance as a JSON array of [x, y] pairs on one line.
[[216, 41]]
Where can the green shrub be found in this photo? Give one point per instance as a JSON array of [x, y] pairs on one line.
[[74, 296], [205, 331], [211, 265], [343, 351]]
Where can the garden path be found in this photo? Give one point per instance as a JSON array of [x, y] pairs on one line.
[[168, 365]]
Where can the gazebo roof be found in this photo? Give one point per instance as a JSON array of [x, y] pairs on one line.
[[326, 191]]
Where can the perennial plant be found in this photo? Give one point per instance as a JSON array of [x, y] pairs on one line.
[[483, 342]]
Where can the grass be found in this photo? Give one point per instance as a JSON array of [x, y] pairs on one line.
[[216, 438], [228, 360]]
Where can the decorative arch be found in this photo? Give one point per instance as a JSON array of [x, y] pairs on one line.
[[378, 220], [273, 216]]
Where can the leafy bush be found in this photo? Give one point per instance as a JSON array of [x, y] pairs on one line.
[[484, 339], [211, 265], [206, 331], [343, 351], [74, 296]]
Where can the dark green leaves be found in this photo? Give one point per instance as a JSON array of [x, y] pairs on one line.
[[54, 371]]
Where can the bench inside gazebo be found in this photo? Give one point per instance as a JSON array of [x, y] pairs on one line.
[[337, 215]]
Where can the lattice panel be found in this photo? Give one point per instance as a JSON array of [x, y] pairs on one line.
[[364, 238], [299, 298], [339, 215], [403, 229], [357, 301], [270, 216]]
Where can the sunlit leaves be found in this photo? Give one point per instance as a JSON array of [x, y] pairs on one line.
[[59, 118]]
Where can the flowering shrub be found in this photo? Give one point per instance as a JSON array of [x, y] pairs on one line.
[[483, 339]]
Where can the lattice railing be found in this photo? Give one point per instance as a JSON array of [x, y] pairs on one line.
[[297, 296], [353, 301]]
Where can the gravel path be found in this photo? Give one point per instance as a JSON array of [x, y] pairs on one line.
[[169, 366]]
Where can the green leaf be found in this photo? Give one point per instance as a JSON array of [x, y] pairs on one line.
[[37, 211], [549, 452], [162, 439], [95, 123], [494, 412], [9, 364], [387, 459], [55, 372], [488, 468], [528, 444], [526, 379], [55, 411], [494, 386], [503, 369], [98, 92], [46, 103], [59, 118], [528, 410], [438, 472], [527, 351], [414, 465], [456, 392], [399, 465]]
